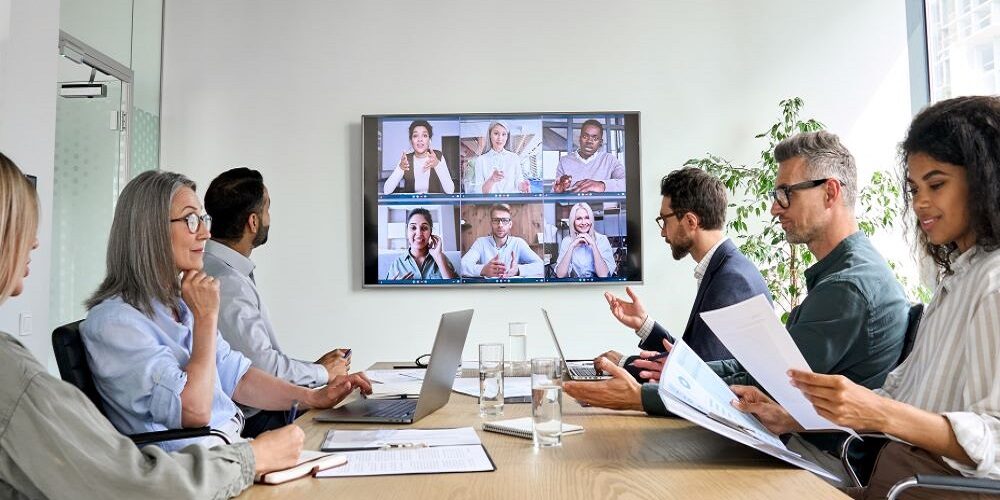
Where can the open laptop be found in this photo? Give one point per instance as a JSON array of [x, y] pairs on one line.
[[575, 370], [436, 388]]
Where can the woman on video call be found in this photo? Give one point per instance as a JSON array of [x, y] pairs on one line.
[[498, 170], [425, 259], [425, 169], [585, 253]]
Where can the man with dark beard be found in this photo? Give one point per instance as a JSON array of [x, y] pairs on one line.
[[692, 215], [240, 205]]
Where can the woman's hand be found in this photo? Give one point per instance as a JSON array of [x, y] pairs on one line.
[[432, 160], [436, 247], [201, 293], [843, 402], [277, 449], [496, 177], [404, 164], [771, 414]]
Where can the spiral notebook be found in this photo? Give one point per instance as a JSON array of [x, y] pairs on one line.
[[521, 427]]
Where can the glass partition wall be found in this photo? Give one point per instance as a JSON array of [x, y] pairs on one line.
[[107, 131]]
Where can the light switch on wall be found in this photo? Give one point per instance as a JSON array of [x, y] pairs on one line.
[[24, 325]]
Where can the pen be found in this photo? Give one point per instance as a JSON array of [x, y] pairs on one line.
[[393, 446], [654, 358], [293, 412], [347, 353]]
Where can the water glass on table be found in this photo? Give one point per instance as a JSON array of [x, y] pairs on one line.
[[490, 380], [546, 402]]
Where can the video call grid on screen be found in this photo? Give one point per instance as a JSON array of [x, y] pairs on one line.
[[567, 211]]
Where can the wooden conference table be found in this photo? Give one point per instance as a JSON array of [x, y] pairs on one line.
[[620, 455]]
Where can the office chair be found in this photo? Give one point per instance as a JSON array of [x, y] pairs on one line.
[[968, 484], [71, 356]]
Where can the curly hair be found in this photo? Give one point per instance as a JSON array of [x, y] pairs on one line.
[[964, 131]]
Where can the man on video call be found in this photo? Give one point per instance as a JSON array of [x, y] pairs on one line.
[[589, 169], [501, 255]]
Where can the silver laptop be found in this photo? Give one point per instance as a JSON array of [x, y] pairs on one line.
[[434, 392], [575, 370]]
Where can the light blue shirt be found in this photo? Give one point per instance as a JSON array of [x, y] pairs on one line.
[[581, 264], [138, 365], [484, 249], [245, 323], [407, 264]]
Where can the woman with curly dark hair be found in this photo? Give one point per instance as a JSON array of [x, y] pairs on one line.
[[943, 402]]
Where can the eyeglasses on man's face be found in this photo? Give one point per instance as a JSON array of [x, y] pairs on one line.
[[783, 194], [194, 220], [498, 221], [662, 219]]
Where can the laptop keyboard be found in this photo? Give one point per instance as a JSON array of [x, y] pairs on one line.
[[584, 371], [393, 409]]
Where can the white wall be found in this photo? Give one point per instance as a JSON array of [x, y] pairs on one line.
[[281, 86], [29, 47]]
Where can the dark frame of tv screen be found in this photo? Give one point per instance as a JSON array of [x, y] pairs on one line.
[[514, 199]]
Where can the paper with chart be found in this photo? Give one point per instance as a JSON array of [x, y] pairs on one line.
[[466, 458], [342, 439], [753, 334], [691, 390]]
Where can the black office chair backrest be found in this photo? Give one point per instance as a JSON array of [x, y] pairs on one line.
[[71, 356], [912, 324]]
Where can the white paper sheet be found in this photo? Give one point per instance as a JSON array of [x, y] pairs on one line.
[[691, 390], [513, 387], [353, 440], [469, 458], [753, 334], [409, 389], [395, 376]]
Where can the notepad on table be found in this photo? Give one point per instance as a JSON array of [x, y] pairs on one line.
[[521, 427], [309, 464]]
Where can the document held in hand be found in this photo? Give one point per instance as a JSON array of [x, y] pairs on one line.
[[691, 390], [753, 334]]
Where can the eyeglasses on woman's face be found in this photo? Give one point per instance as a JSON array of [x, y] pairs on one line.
[[194, 220]]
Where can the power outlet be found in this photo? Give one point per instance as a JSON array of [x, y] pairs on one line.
[[24, 325]]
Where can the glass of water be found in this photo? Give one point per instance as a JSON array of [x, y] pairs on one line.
[[490, 380], [546, 402], [517, 350]]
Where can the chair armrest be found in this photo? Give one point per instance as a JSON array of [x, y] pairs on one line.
[[845, 449], [954, 483], [174, 434]]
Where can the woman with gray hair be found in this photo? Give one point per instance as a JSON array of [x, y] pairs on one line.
[[585, 253], [56, 443], [498, 170], [158, 359]]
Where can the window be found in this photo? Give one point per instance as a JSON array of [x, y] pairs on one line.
[[962, 41]]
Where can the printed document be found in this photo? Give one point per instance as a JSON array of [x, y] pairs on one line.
[[753, 334], [691, 390], [466, 458]]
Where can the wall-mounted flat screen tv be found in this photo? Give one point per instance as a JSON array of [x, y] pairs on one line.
[[501, 199]]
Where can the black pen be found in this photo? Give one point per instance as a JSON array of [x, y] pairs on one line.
[[293, 412], [347, 353], [654, 358]]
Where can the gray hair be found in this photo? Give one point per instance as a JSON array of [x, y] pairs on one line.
[[140, 263], [825, 157]]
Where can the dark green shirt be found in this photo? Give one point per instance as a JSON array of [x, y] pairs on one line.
[[851, 323]]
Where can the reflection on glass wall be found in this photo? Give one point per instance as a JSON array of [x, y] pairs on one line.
[[963, 42]]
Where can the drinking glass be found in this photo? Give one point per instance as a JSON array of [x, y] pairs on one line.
[[490, 379], [546, 402]]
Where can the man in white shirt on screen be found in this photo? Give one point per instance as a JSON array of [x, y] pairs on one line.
[[501, 255], [240, 205]]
